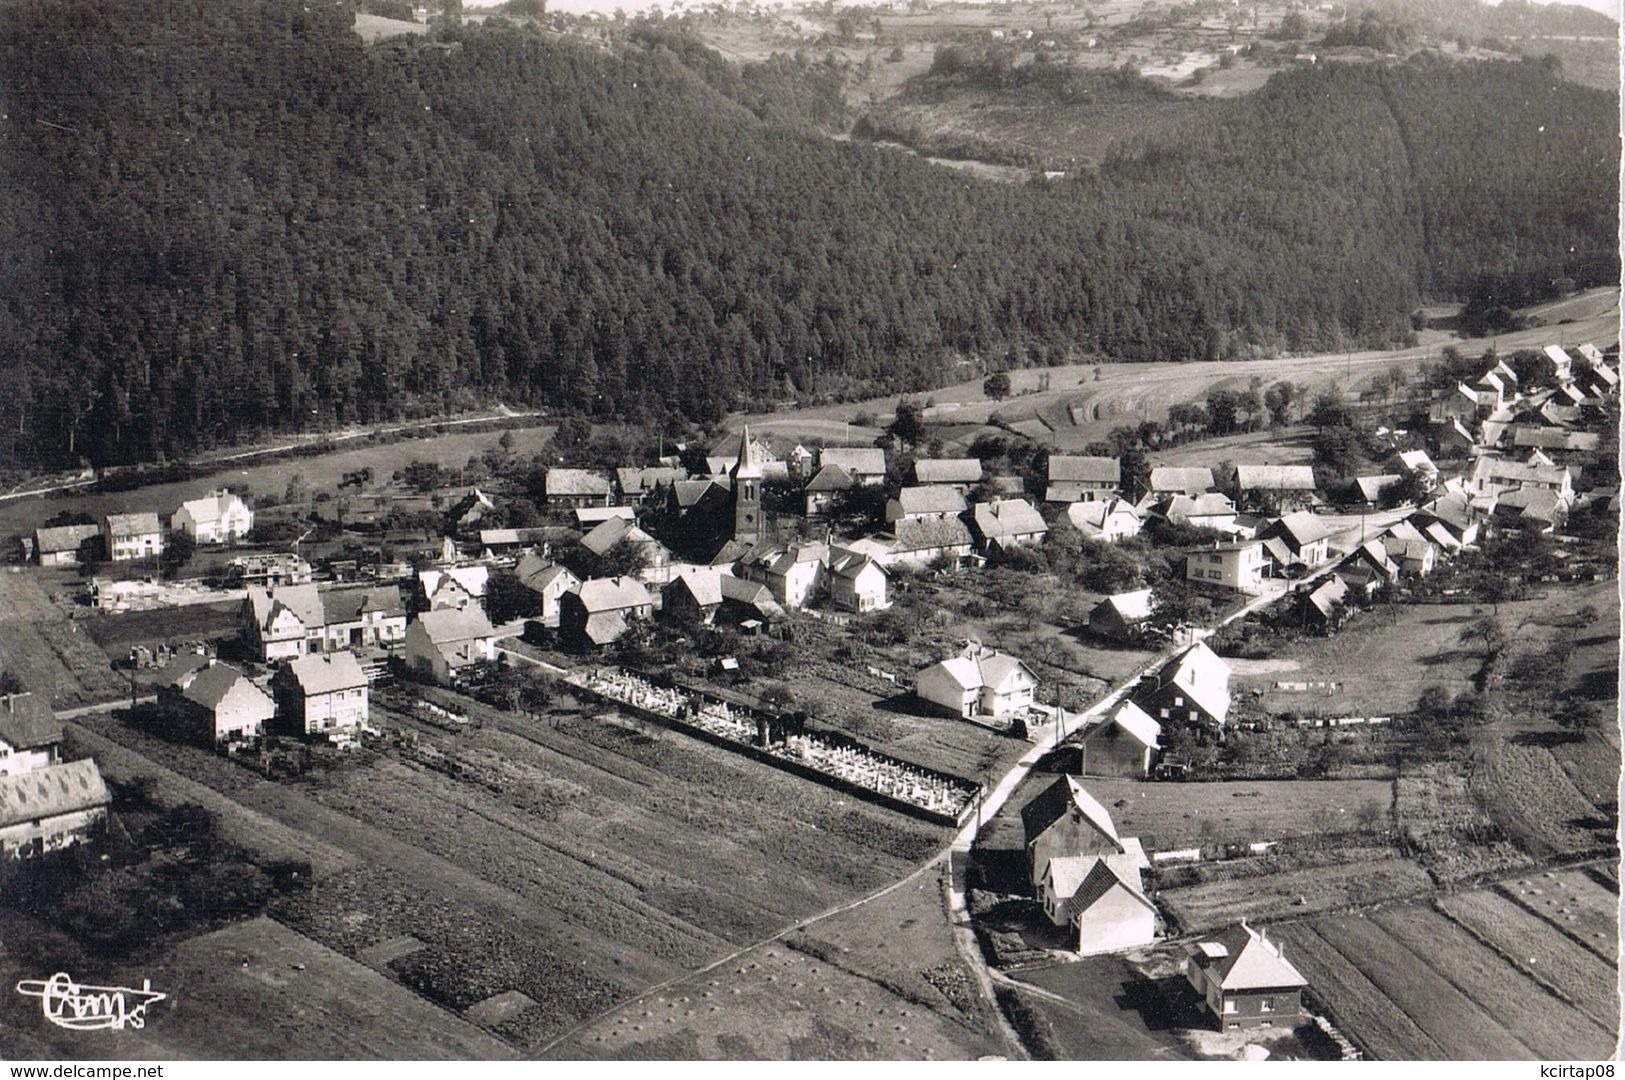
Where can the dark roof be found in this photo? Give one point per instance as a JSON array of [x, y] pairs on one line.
[[27, 721], [1056, 801], [348, 605]]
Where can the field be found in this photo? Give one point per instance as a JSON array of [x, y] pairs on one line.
[[1478, 977], [1169, 816], [257, 990], [1254, 890], [1112, 1012], [52, 656], [881, 981], [577, 859]]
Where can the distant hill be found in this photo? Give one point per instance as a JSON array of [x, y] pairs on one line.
[[231, 217]]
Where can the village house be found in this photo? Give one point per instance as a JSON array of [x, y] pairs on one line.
[[654, 558], [866, 465], [1244, 980], [50, 808], [1274, 488], [1125, 743], [1192, 687], [1007, 523], [1101, 899], [1557, 440], [635, 485], [1373, 555], [1534, 508], [450, 587], [589, 516], [218, 518], [469, 512], [1451, 519], [1325, 607], [30, 734], [1065, 821], [601, 610], [978, 682], [921, 543], [295, 620], [443, 644], [1079, 479], [322, 696], [1460, 406], [1210, 510], [857, 582], [1237, 566], [694, 596], [795, 574], [800, 460], [373, 617], [570, 488], [1495, 476], [132, 536], [961, 473], [205, 700], [1416, 463], [824, 490], [1106, 520], [937, 503], [1305, 537], [65, 545], [1370, 488], [1180, 480], [512, 543], [747, 602], [1410, 549], [701, 500], [1120, 618], [549, 581]]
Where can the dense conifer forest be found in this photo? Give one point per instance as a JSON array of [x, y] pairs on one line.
[[225, 218]]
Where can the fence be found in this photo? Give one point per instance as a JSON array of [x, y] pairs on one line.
[[1323, 685]]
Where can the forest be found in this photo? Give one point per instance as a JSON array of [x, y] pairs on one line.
[[230, 218]]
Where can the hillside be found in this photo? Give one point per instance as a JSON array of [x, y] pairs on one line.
[[232, 217]]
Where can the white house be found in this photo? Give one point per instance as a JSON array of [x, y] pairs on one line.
[[218, 518], [856, 581], [30, 734], [1193, 687], [1237, 566], [444, 643], [978, 682], [1102, 899], [132, 536], [1108, 520], [322, 695]]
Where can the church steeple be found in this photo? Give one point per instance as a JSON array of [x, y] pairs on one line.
[[747, 491]]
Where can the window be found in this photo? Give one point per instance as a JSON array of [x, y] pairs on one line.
[[1229, 1005], [1266, 1004], [1164, 713]]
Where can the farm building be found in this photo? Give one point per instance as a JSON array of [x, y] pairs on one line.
[[1078, 479], [1065, 821], [441, 645], [748, 601], [1536, 508], [978, 682], [1244, 980], [1554, 438], [637, 484], [612, 534], [132, 536], [856, 581], [569, 488], [866, 465], [503, 543], [1305, 536], [1107, 520], [822, 491], [450, 587], [1326, 605], [1124, 743], [589, 516], [30, 734], [218, 518], [1007, 523], [1209, 510], [65, 545], [1274, 488], [321, 695], [212, 702], [549, 581], [469, 512], [601, 610], [1371, 487], [932, 503], [962, 473], [1119, 617], [1181, 480], [1493, 476], [923, 542], [1192, 687], [1102, 899], [1238, 567], [693, 596], [51, 808]]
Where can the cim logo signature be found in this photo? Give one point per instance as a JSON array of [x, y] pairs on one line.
[[81, 1007]]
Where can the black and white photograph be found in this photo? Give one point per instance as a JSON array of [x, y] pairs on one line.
[[956, 531]]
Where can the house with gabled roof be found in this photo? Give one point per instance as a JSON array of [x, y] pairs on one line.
[[1325, 606], [1124, 743], [1495, 476], [212, 702], [1239, 566], [919, 543], [324, 696], [1460, 406], [748, 601], [794, 573], [866, 465], [1306, 537], [64, 545], [1453, 511], [1107, 520], [963, 473], [450, 587], [51, 808], [1244, 980], [1120, 617], [978, 682], [1410, 548], [444, 644], [1372, 487], [1181, 480], [1373, 555], [575, 487], [1007, 523], [1065, 821], [1531, 507], [132, 536], [30, 733], [1192, 687], [1101, 899], [825, 489], [284, 622], [371, 617], [549, 581], [601, 610], [857, 582], [469, 512], [1074, 478], [638, 484], [937, 502], [1416, 463], [613, 533], [1562, 363], [1209, 510], [704, 499], [694, 596], [217, 518], [1275, 488]]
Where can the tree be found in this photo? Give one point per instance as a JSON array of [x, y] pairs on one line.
[[997, 385], [507, 598], [1328, 412], [1409, 490], [178, 551], [908, 425], [1279, 399], [422, 476]]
